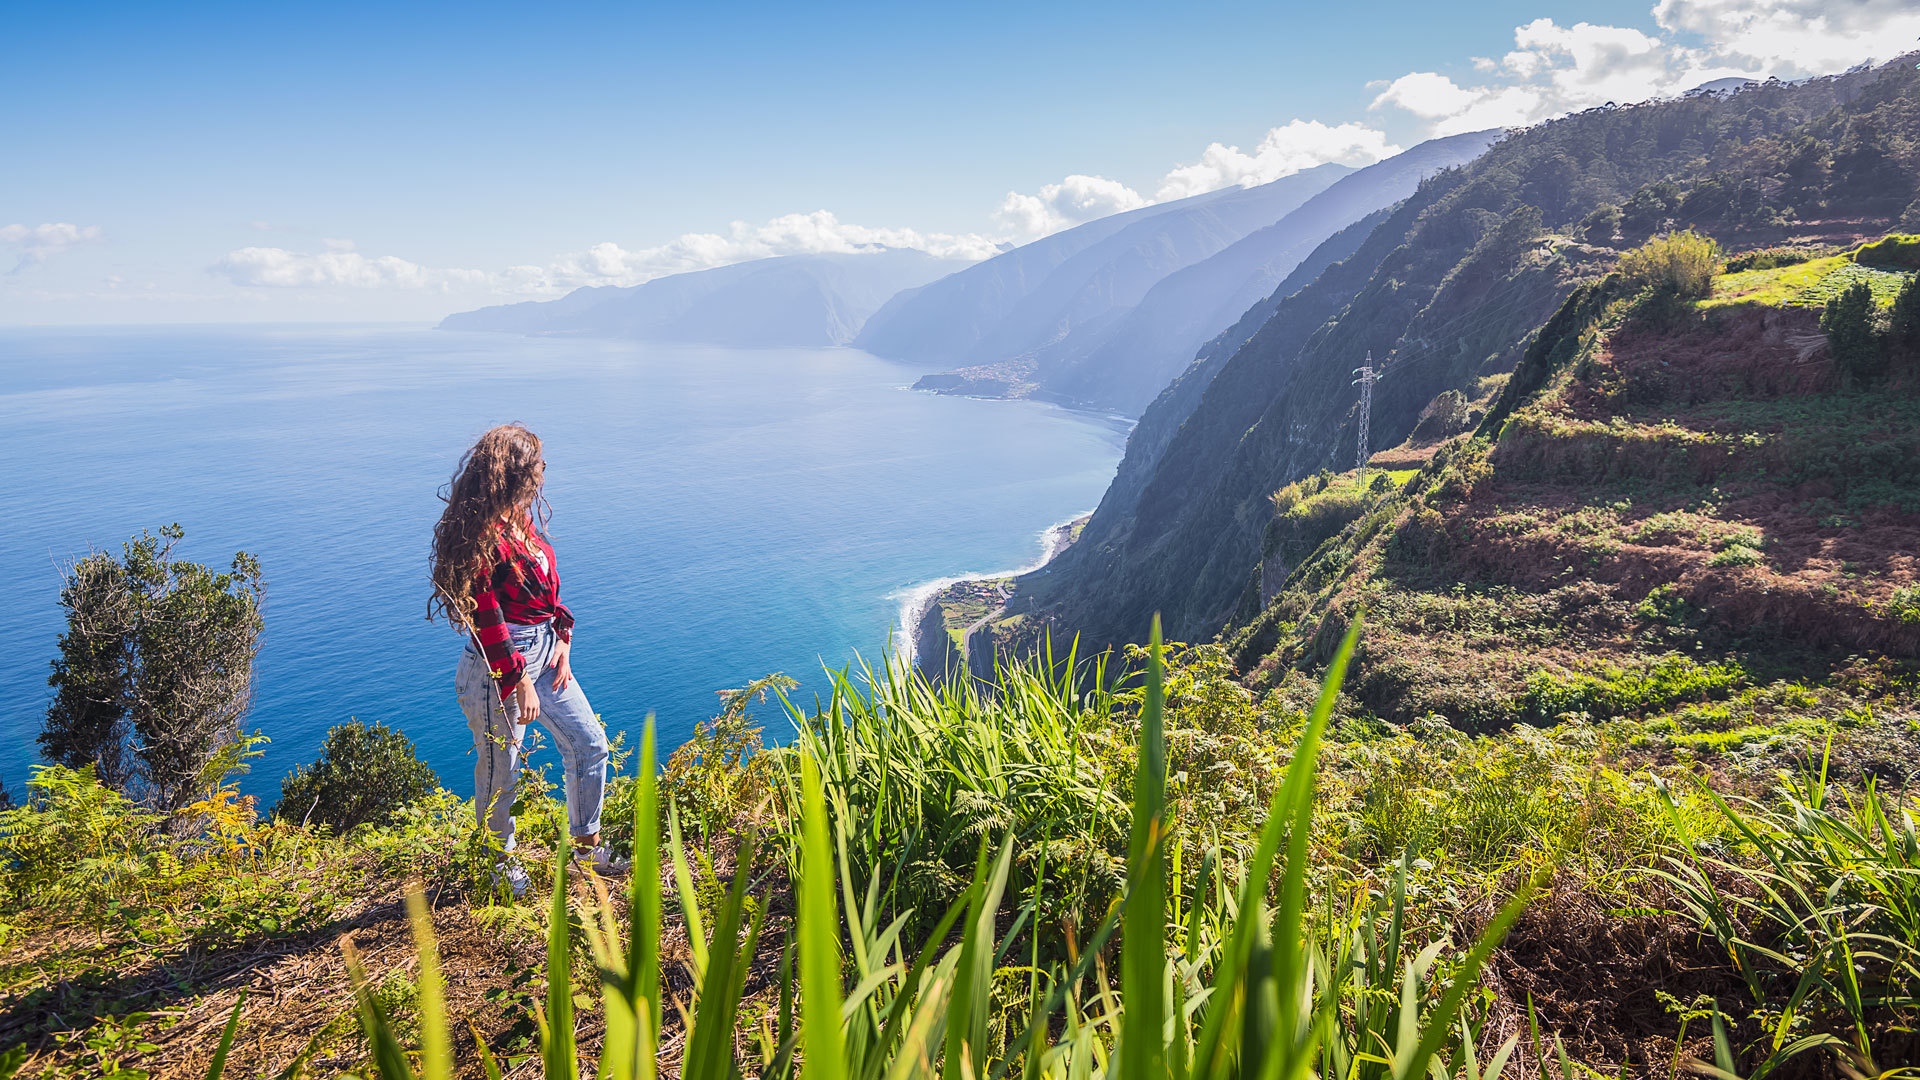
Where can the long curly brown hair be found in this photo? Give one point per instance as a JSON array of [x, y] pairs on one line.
[[496, 488]]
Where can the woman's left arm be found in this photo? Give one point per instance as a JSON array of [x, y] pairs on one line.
[[562, 663], [563, 629]]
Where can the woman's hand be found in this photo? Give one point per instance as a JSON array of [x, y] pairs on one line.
[[562, 665], [529, 698]]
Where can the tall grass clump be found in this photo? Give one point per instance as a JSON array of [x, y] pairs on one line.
[[1227, 982], [1819, 915], [1681, 264]]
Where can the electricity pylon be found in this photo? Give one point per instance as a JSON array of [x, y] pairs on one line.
[[1365, 378]]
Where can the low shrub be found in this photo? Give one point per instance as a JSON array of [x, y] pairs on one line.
[[1896, 251], [1773, 258], [1672, 680], [364, 774], [1681, 263], [1904, 605], [1737, 555]]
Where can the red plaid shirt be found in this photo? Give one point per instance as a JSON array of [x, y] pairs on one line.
[[523, 588]]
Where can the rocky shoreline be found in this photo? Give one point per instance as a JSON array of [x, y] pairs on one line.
[[954, 629]]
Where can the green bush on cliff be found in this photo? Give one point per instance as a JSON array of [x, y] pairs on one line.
[[364, 774], [1680, 263]]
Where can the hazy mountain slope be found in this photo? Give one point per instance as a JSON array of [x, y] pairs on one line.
[[1124, 365], [1015, 303], [1447, 290], [788, 300], [940, 322]]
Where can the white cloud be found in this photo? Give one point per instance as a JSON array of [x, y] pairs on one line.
[[1453, 109], [1588, 64], [1555, 69], [1427, 94], [288, 269], [1794, 38], [36, 243], [1068, 203], [605, 263], [819, 232], [1285, 150]]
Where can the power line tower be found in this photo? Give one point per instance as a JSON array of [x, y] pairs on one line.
[[1365, 377]]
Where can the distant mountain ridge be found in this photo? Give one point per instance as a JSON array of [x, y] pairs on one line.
[[1126, 365], [821, 299], [1014, 305], [1111, 325]]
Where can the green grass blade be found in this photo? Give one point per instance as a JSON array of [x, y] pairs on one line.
[[1226, 1006], [436, 1052], [388, 1058], [643, 905], [689, 907], [709, 1054], [970, 982], [1143, 952], [895, 1020], [488, 1064], [819, 937], [1297, 798], [218, 1066], [1466, 978], [558, 1052]]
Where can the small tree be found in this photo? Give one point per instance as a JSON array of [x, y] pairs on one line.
[[155, 670], [1682, 263], [1445, 415], [1848, 322], [363, 774], [1600, 226]]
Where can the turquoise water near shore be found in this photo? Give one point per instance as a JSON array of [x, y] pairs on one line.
[[719, 514]]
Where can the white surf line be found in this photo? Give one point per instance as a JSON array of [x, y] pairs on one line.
[[915, 599]]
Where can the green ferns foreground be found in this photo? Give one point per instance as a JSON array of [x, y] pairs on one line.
[[1042, 878]]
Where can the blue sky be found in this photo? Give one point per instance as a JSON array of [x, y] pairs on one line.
[[356, 162]]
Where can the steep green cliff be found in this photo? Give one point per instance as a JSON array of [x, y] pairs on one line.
[[1688, 513], [1447, 291]]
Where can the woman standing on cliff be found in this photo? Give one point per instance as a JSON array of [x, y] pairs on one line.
[[495, 576]]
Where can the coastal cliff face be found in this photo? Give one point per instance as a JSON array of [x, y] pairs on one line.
[[971, 623], [1444, 293], [935, 653]]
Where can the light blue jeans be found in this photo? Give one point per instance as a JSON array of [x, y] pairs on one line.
[[498, 736]]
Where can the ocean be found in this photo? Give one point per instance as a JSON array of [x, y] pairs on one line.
[[718, 514]]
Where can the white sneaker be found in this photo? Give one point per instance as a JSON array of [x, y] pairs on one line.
[[601, 861], [510, 873]]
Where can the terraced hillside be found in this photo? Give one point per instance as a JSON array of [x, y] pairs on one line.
[[1687, 513]]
